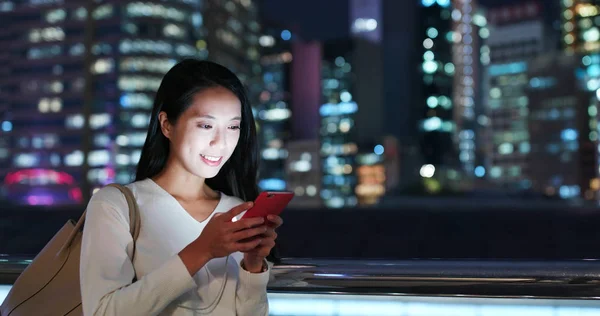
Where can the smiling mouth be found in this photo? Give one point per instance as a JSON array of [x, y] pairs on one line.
[[211, 160]]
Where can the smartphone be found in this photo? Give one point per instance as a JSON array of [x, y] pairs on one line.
[[269, 203]]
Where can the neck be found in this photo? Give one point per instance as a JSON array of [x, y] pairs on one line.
[[180, 183]]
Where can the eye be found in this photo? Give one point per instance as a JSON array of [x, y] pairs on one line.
[[205, 126], [234, 127]]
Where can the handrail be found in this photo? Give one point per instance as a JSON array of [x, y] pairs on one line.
[[458, 278], [573, 279]]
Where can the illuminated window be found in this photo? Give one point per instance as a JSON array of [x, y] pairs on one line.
[[103, 66], [185, 50], [46, 105], [228, 38], [54, 87], [140, 120], [77, 49], [230, 7], [173, 30], [496, 172], [130, 28], [122, 159], [135, 156], [26, 160], [138, 83], [80, 13], [235, 25], [44, 52], [102, 140], [74, 121], [145, 46], [430, 66], [139, 9], [102, 12], [44, 141], [102, 49], [101, 175], [428, 43], [56, 15], [131, 139], [136, 100], [428, 55], [74, 159], [569, 39], [432, 32], [6, 6], [100, 120], [506, 149], [98, 158], [591, 35]]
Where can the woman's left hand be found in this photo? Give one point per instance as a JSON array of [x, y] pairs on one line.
[[253, 259]]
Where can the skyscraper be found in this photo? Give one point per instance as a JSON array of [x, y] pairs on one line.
[[365, 19], [580, 25], [563, 128], [435, 87], [83, 81], [303, 169], [274, 107], [338, 129], [468, 53], [517, 34]]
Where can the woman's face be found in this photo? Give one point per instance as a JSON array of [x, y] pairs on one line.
[[206, 134]]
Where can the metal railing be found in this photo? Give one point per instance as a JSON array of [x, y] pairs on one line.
[[577, 279]]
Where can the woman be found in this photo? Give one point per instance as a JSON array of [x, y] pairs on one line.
[[197, 167]]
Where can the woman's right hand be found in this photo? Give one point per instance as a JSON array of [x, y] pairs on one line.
[[221, 237]]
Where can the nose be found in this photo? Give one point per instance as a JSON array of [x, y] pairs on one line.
[[218, 140]]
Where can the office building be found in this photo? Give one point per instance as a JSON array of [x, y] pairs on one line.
[[518, 33], [303, 169], [563, 128], [274, 107], [78, 88], [580, 23]]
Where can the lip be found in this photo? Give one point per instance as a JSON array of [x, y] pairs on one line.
[[211, 162]]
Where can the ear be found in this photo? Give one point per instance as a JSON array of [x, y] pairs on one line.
[[165, 125]]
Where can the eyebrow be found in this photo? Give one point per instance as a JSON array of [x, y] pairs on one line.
[[237, 118]]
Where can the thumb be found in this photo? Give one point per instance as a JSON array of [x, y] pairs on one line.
[[229, 215]]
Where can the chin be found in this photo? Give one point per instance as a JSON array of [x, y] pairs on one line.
[[207, 173]]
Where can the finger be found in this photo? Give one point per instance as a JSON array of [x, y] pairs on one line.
[[270, 234], [248, 233], [245, 224], [276, 220], [264, 248], [229, 215], [247, 246]]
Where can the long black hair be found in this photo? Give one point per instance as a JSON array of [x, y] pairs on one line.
[[238, 177]]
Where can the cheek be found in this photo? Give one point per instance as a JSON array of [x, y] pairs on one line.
[[192, 142], [232, 140]]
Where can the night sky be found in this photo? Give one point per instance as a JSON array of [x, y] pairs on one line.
[[325, 19], [313, 19]]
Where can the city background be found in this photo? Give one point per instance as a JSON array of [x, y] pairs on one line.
[[358, 103], [408, 129]]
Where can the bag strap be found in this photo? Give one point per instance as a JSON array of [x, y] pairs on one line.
[[134, 219]]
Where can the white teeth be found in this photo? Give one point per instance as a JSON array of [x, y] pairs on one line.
[[211, 158]]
